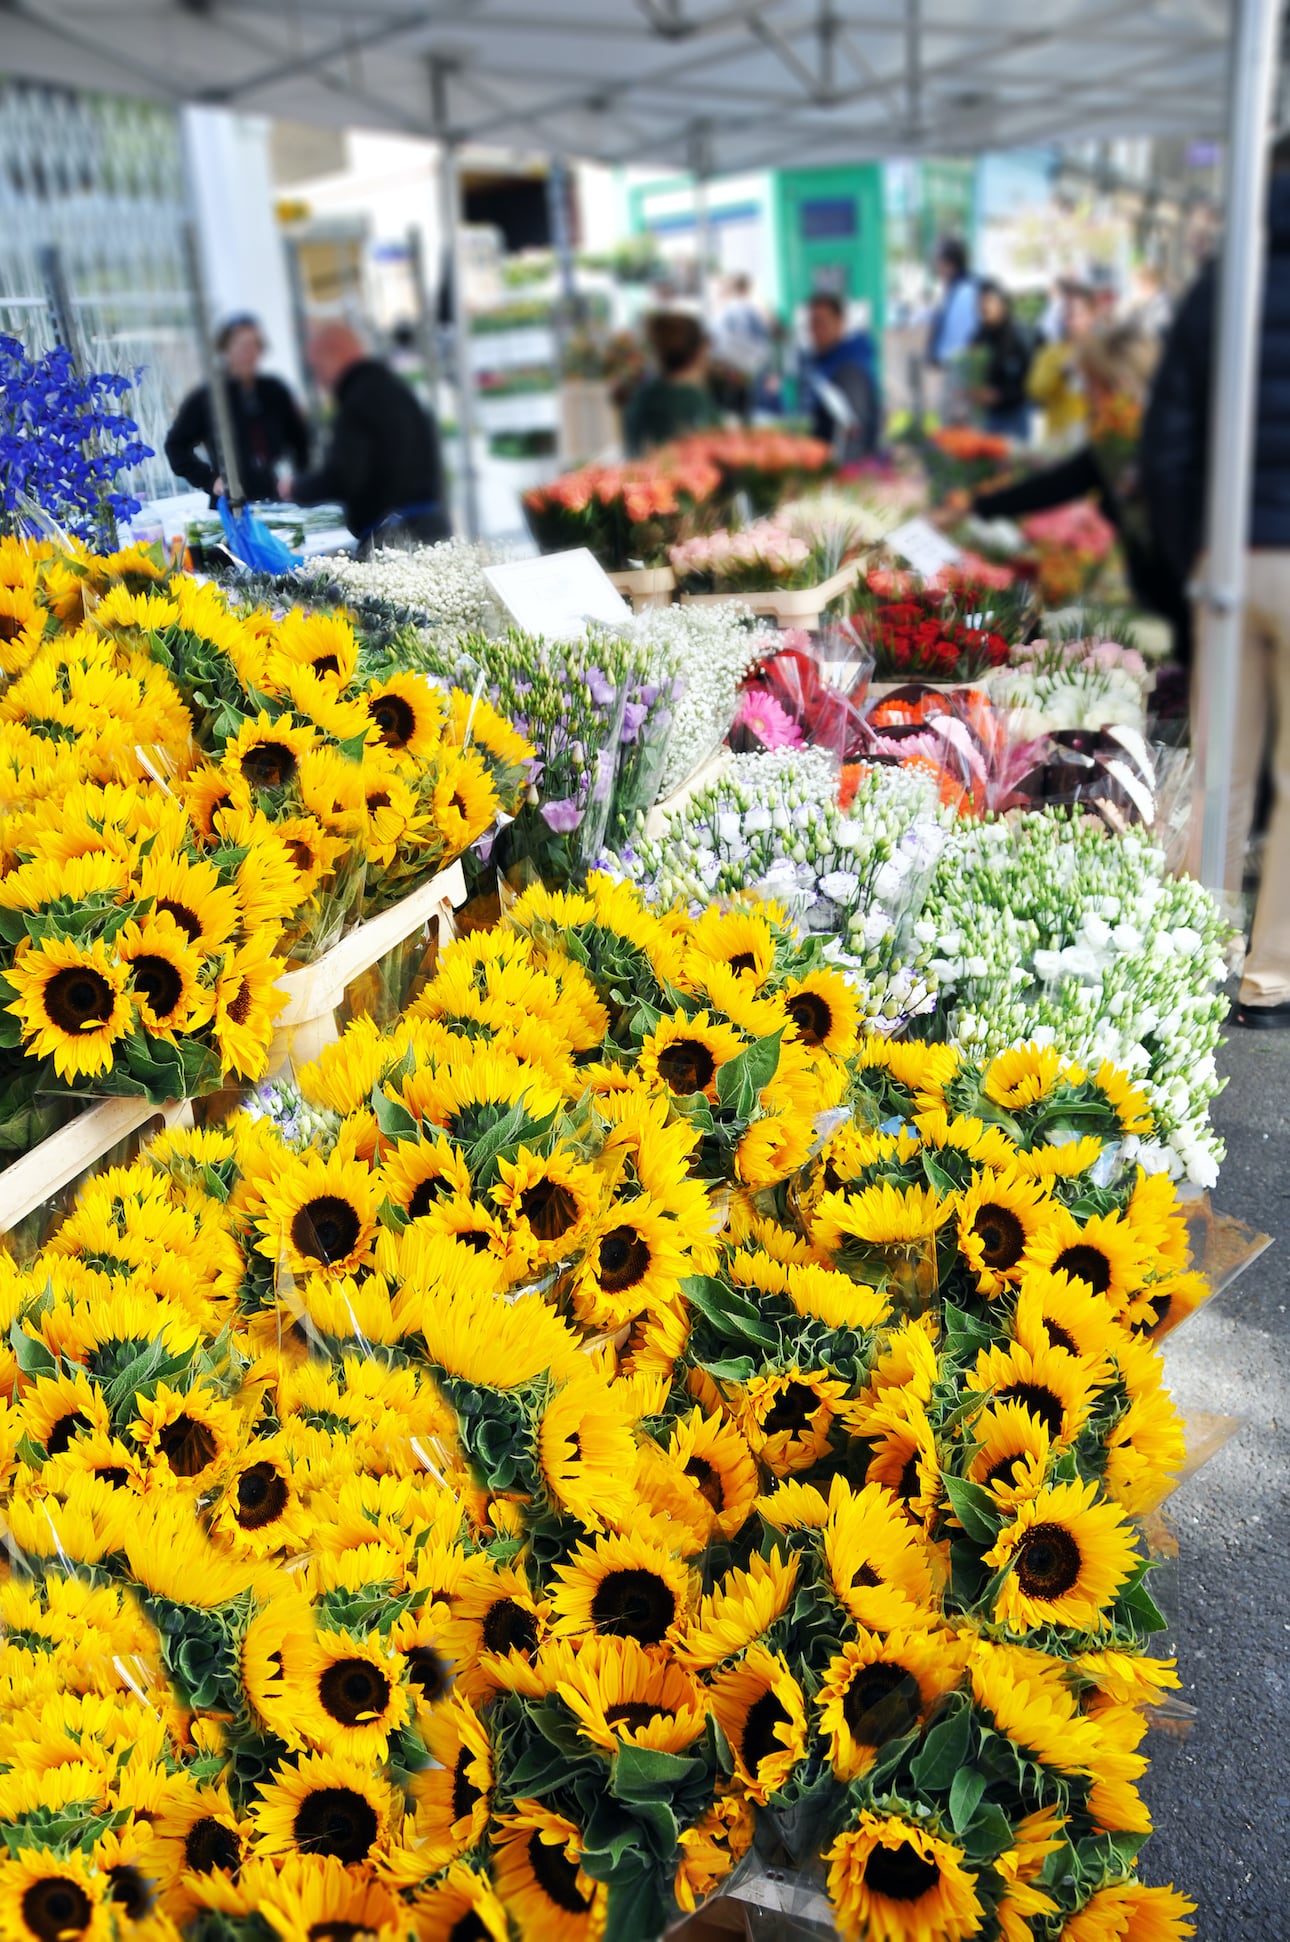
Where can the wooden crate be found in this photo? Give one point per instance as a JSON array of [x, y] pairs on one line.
[[800, 607], [52, 1165]]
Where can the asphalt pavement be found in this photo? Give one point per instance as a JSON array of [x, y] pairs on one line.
[[1220, 1796]]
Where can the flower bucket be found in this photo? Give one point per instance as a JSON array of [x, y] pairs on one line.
[[61, 1158], [645, 586], [316, 991], [795, 607]]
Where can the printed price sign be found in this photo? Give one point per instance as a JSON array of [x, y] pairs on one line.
[[558, 594]]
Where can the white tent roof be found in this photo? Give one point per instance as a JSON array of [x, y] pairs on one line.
[[717, 84]]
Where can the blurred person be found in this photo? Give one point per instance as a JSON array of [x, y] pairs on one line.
[[268, 425], [676, 399], [1149, 307], [838, 379], [1175, 463], [1004, 352], [1105, 286], [741, 334], [382, 462], [1056, 379], [954, 321]]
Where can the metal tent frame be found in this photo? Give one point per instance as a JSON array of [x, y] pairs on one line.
[[751, 84]]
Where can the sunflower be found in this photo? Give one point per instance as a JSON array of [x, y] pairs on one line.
[[350, 1697], [1068, 1556], [313, 1898], [189, 890], [539, 1881], [464, 801], [760, 1708], [902, 1454], [635, 1260], [321, 642], [996, 1217], [1054, 1311], [1060, 1159], [1022, 1076], [1145, 1451], [56, 1410], [267, 754], [247, 1001], [165, 971], [824, 1010], [880, 1689], [586, 1450], [740, 940], [895, 1880], [461, 1907], [685, 1054], [48, 1897], [1056, 1387], [1161, 1305], [718, 1461], [451, 1796], [711, 1846], [260, 1511], [878, 1562], [1013, 1453], [183, 1433], [880, 1216], [622, 1586], [1103, 1251], [72, 1003], [741, 1609], [322, 1805], [1129, 1911], [319, 1214], [776, 1145], [1026, 1698], [22, 628], [470, 1334], [787, 1418], [550, 1201], [407, 714], [623, 1694]]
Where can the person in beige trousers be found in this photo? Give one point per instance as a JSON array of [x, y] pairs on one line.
[[1174, 460]]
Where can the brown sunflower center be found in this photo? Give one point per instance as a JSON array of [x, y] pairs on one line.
[[881, 1703], [1002, 1237], [261, 1497], [909, 1483], [56, 1907], [159, 982], [556, 1875], [339, 1932], [395, 718], [509, 1627], [811, 1015], [113, 1475], [336, 1820], [900, 1873], [209, 1845], [188, 1445], [635, 1604], [238, 1008], [464, 1791], [326, 664], [632, 1713], [1004, 1471], [1152, 1318], [1086, 1263], [792, 1409], [10, 627], [354, 1691], [759, 1740], [743, 961], [709, 1481], [549, 1209], [470, 1927], [687, 1065], [865, 1576], [1047, 1561], [269, 765], [78, 998], [60, 1436], [380, 799], [428, 1672], [327, 1228], [1039, 1401], [423, 1198], [188, 920], [132, 1890], [624, 1260], [1059, 1337]]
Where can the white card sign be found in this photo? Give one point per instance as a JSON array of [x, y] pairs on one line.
[[926, 550], [557, 594]]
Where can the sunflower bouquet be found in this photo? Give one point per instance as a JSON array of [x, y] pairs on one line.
[[467, 1497]]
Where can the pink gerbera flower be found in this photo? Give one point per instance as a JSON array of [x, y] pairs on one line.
[[763, 717]]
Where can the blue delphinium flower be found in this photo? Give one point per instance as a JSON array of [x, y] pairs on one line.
[[64, 442]]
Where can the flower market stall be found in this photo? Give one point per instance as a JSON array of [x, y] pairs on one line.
[[650, 1407]]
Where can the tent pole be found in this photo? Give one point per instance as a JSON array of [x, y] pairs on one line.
[[463, 376], [1254, 66]]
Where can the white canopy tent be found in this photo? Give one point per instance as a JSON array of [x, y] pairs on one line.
[[724, 85]]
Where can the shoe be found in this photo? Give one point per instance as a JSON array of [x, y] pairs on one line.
[[1264, 1018]]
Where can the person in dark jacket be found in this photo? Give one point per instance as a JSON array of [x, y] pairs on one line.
[[1175, 457], [382, 462], [1004, 354], [268, 425], [676, 400], [839, 381]]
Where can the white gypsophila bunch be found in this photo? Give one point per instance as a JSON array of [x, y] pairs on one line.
[[439, 586], [855, 876], [1050, 927], [1086, 697], [813, 770], [713, 648], [301, 1125]]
